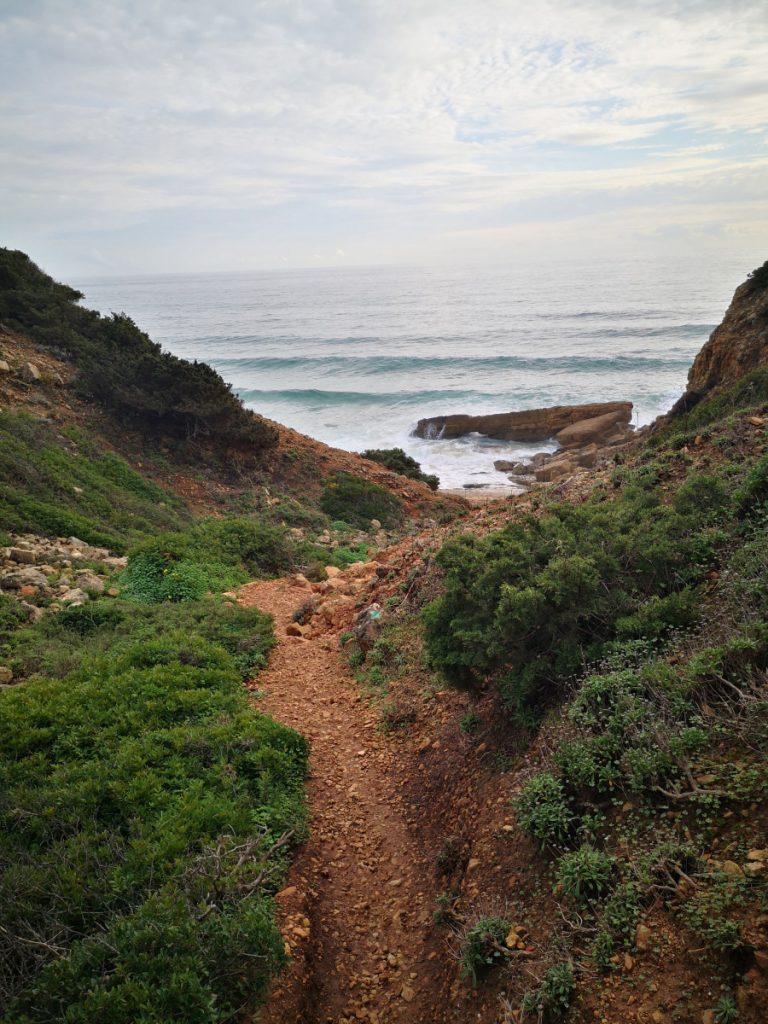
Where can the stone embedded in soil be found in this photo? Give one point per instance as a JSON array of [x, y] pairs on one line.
[[642, 937]]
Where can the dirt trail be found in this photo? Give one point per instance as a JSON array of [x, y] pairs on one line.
[[357, 907]]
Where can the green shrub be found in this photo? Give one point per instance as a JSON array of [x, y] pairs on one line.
[[59, 643], [211, 555], [585, 874], [149, 578], [357, 501], [543, 810], [551, 1000], [470, 722], [121, 367], [396, 460], [534, 603], [617, 921], [482, 946], [727, 1010], [130, 791], [12, 617]]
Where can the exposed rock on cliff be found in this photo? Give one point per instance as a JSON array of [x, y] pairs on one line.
[[527, 425], [737, 346]]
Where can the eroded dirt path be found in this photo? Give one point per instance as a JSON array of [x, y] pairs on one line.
[[357, 908]]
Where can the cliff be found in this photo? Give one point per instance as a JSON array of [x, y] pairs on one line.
[[735, 348]]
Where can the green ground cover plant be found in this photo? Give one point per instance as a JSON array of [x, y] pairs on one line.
[[357, 501], [146, 811], [66, 486], [211, 555], [551, 1000], [532, 605]]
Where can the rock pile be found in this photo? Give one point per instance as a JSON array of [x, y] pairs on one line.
[[48, 574]]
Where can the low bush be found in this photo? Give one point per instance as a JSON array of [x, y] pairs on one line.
[[211, 555], [551, 1000], [584, 874], [617, 920], [482, 946], [59, 643], [396, 460], [537, 602], [356, 501], [145, 814], [543, 810]]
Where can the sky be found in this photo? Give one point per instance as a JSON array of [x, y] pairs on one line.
[[173, 135]]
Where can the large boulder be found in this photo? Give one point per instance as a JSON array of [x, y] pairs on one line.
[[19, 578], [592, 430], [89, 582], [30, 373], [526, 425], [738, 346]]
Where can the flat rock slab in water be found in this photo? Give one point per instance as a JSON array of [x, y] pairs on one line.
[[526, 425]]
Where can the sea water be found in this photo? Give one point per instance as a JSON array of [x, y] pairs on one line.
[[354, 357]]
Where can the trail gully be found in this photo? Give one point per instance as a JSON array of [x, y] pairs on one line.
[[356, 910]]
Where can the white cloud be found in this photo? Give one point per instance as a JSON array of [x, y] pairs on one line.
[[119, 113]]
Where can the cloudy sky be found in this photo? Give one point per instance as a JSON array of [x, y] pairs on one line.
[[171, 135]]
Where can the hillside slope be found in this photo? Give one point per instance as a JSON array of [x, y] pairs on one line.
[[147, 807], [538, 785]]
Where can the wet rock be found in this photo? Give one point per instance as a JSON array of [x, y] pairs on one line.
[[526, 425]]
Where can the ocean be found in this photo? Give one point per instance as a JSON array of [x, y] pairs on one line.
[[354, 357]]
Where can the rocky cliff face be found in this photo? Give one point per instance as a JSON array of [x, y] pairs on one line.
[[737, 346]]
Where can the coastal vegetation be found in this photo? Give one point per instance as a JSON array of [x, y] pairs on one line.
[[597, 799], [356, 501], [121, 367], [396, 460]]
